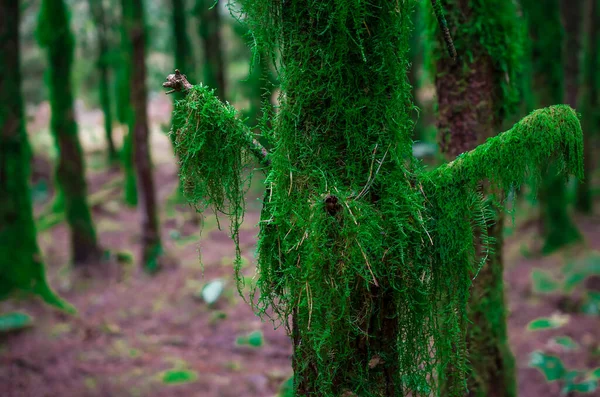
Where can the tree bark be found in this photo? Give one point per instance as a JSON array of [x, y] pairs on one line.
[[151, 243], [469, 103], [55, 35], [588, 104], [213, 68], [102, 65]]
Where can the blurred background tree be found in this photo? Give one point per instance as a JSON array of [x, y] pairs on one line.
[[54, 34]]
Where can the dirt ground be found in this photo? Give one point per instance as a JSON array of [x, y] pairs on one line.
[[132, 327]]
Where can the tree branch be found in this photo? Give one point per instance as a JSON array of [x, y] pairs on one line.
[[178, 82], [505, 160]]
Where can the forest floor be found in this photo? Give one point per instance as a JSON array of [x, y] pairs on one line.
[[141, 335]]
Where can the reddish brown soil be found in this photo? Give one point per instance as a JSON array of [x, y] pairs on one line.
[[132, 326]]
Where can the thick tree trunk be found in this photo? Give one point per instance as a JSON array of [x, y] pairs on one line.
[[588, 103], [374, 305], [151, 244], [18, 245], [213, 68], [54, 34], [97, 10], [469, 105]]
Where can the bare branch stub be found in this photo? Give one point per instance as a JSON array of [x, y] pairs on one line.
[[177, 82], [332, 205]]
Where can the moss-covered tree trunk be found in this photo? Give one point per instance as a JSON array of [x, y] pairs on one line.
[[474, 94], [124, 103], [102, 66], [151, 245], [369, 255], [588, 102], [551, 56], [21, 265], [55, 36], [213, 67]]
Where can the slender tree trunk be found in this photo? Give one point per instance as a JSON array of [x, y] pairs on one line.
[[213, 67], [589, 103], [21, 265], [572, 16], [124, 104], [558, 227], [151, 244], [54, 34], [416, 64], [549, 59], [470, 104], [97, 10], [183, 48]]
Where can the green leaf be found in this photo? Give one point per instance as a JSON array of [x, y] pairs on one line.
[[566, 342], [592, 305], [212, 291], [14, 321], [572, 280], [543, 282], [588, 386], [254, 339], [287, 388], [177, 376], [543, 323], [594, 374], [551, 366]]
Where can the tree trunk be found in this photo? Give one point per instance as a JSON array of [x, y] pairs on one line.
[[21, 265], [335, 88], [588, 104], [97, 10], [552, 59], [124, 104], [54, 34], [471, 104], [183, 49], [151, 245], [213, 68]]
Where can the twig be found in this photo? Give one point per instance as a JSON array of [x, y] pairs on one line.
[[439, 14], [177, 82]]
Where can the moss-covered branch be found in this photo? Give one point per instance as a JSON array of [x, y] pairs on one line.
[[550, 133], [177, 82]]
